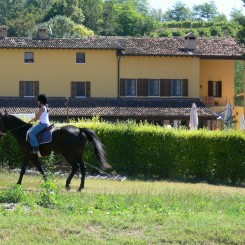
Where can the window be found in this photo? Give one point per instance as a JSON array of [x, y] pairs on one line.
[[215, 88], [176, 87], [80, 58], [29, 57], [153, 87], [130, 87], [28, 88], [80, 89]]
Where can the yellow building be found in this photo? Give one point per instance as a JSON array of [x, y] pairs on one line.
[[156, 79]]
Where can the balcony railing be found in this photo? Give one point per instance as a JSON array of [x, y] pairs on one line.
[[219, 101]]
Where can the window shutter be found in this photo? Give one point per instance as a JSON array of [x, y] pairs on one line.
[[122, 87], [219, 88], [185, 87], [210, 88], [88, 89], [168, 87], [162, 87], [145, 87], [36, 88], [73, 89], [21, 88], [139, 87]]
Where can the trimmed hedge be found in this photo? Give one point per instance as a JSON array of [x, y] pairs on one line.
[[153, 151]]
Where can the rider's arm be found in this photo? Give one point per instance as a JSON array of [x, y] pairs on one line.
[[38, 115]]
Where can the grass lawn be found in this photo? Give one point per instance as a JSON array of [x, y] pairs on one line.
[[114, 212]]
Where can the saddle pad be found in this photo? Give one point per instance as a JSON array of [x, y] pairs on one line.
[[43, 137]]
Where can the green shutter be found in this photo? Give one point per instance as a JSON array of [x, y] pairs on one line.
[[88, 89], [139, 87], [168, 87], [210, 88], [162, 87], [145, 87], [219, 88], [36, 88], [122, 87], [185, 87], [73, 89], [21, 88]]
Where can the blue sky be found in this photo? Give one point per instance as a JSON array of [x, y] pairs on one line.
[[223, 6]]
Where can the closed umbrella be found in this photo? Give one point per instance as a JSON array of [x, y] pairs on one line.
[[242, 122], [228, 115], [193, 117]]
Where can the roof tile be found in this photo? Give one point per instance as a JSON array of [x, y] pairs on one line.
[[163, 46], [110, 107]]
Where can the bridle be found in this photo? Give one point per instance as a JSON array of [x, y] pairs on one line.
[[12, 130]]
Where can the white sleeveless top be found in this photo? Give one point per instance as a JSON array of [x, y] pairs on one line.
[[44, 116]]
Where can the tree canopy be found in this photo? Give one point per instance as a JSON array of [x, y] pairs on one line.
[[117, 17]]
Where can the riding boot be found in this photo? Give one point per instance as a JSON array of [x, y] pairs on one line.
[[36, 150]]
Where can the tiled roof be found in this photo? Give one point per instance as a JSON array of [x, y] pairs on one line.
[[212, 46], [110, 107]]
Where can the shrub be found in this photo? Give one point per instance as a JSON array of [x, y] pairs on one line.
[[154, 151], [14, 194]]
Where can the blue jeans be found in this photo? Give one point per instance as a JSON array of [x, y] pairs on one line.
[[34, 132]]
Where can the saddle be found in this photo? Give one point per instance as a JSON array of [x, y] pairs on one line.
[[45, 136]]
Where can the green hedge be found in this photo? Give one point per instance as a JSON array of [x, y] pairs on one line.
[[153, 151]]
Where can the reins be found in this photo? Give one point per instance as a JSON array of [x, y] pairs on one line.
[[14, 129]]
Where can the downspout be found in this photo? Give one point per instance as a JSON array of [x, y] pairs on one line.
[[120, 56]]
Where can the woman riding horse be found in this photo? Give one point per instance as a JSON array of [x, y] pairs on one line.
[[70, 141], [43, 116]]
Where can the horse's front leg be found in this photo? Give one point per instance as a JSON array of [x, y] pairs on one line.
[[23, 169], [35, 160]]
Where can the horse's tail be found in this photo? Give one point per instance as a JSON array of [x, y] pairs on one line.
[[98, 147]]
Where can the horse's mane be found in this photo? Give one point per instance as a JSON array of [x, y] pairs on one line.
[[18, 121]]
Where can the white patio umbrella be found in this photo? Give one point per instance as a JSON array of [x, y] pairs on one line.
[[193, 117], [228, 115], [242, 122]]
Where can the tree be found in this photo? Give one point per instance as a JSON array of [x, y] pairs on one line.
[[63, 27], [68, 8], [241, 33], [206, 11], [156, 14], [82, 31], [179, 12], [42, 5], [236, 14], [131, 22], [92, 10], [109, 25]]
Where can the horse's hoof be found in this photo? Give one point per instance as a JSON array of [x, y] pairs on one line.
[[79, 189], [68, 187]]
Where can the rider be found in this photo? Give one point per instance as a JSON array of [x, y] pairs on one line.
[[42, 116]]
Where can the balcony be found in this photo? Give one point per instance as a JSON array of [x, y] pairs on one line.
[[217, 101]]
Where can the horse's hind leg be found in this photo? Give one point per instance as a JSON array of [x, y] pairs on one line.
[[83, 172], [23, 170], [74, 166], [73, 171]]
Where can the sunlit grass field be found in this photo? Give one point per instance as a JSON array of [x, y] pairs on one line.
[[127, 212]]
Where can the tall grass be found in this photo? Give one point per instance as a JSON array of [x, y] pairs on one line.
[[129, 212]]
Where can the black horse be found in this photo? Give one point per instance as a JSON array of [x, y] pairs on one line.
[[70, 141]]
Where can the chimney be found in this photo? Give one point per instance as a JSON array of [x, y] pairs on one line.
[[190, 41], [42, 32], [3, 31]]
